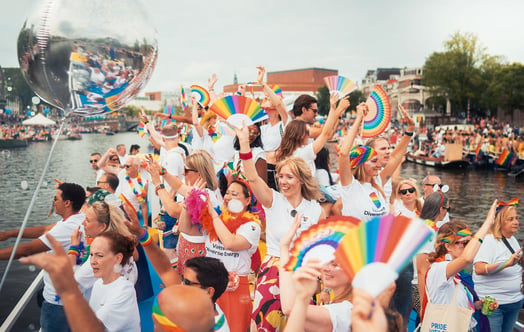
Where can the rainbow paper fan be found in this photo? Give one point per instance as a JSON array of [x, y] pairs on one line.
[[276, 89], [141, 129], [237, 109], [340, 84], [379, 114], [320, 241], [387, 239], [183, 98], [200, 94]]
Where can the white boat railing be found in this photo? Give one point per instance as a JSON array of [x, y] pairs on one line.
[[22, 303]]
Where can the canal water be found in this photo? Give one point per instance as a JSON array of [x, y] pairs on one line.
[[471, 193]]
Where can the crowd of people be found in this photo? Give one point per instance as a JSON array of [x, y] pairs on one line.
[[196, 237]]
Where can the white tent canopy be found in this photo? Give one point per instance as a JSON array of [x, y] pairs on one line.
[[38, 120]]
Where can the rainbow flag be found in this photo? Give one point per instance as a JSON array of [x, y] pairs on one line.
[[505, 158], [478, 153]]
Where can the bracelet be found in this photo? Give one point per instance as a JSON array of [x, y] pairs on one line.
[[245, 156], [162, 171], [486, 268], [73, 252], [145, 239], [407, 133], [479, 239], [157, 188]]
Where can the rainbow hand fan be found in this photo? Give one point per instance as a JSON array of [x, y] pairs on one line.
[[200, 94], [379, 114], [388, 239], [225, 129], [340, 84], [320, 241], [141, 128], [237, 109], [168, 109]]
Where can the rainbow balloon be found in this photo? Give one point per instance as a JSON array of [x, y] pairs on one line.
[[320, 241], [379, 113], [276, 89], [200, 94], [388, 239], [183, 97], [340, 84], [238, 107]]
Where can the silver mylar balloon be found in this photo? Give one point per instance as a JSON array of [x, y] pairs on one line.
[[87, 57]]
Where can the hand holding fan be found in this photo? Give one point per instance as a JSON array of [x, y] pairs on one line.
[[200, 94], [320, 241], [237, 109], [141, 129], [379, 113], [388, 239], [340, 84]]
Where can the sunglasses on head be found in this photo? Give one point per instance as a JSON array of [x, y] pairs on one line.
[[189, 170], [405, 191]]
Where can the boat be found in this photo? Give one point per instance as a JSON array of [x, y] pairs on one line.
[[9, 143], [452, 159]]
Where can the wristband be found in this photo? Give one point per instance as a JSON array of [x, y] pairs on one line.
[[73, 252], [478, 238], [157, 188], [145, 239], [170, 116], [245, 156], [163, 171], [407, 133]]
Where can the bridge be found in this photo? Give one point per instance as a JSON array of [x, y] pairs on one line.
[[117, 124]]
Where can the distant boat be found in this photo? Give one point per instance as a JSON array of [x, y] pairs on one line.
[[8, 143], [452, 160], [110, 133], [74, 137]]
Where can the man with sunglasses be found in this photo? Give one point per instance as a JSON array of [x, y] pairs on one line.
[[305, 108], [67, 202], [93, 160]]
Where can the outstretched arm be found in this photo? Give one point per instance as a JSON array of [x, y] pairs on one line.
[[29, 233], [260, 189], [231, 241], [211, 88], [400, 150], [328, 128], [346, 175], [156, 256], [102, 163], [275, 100]]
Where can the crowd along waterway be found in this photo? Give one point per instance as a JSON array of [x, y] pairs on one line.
[[471, 193]]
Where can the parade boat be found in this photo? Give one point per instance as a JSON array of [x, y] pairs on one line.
[[9, 143], [452, 159]]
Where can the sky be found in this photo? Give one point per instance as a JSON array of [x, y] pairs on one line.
[[228, 37]]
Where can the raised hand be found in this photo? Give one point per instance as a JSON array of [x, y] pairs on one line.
[[306, 277], [343, 105], [333, 99], [133, 225], [211, 82], [76, 237], [409, 120], [261, 73]]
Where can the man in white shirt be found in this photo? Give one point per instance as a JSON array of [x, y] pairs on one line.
[[67, 203]]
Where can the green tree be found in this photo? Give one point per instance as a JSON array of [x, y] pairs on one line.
[[507, 88], [461, 73], [323, 100]]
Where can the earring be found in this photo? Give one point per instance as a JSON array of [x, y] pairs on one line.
[[117, 268]]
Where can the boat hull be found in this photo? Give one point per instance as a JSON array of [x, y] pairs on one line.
[[13, 143], [439, 163]]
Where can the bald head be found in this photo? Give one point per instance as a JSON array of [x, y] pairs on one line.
[[188, 307]]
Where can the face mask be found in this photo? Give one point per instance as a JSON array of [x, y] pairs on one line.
[[235, 206]]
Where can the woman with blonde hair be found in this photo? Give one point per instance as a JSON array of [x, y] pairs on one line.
[[298, 194], [497, 272], [407, 199]]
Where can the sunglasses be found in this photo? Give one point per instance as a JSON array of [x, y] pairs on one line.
[[433, 184], [93, 161], [128, 166], [315, 110], [189, 282], [189, 170], [405, 191]]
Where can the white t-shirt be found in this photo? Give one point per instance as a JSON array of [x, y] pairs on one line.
[[258, 153], [221, 324], [362, 201], [62, 233], [307, 153], [173, 161], [441, 290], [401, 210], [279, 220], [505, 285], [85, 277], [387, 187], [115, 305], [272, 135], [340, 315], [125, 189], [201, 143], [236, 261], [224, 149]]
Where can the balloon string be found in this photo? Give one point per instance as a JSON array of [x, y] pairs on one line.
[[30, 208]]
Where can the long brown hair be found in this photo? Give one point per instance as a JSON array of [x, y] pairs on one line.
[[361, 175], [292, 139], [310, 189], [448, 229]]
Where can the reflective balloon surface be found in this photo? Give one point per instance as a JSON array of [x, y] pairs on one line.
[[87, 57]]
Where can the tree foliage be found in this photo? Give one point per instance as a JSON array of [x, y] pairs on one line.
[[323, 100], [462, 73], [507, 87]]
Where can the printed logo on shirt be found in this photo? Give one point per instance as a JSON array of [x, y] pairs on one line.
[[376, 201]]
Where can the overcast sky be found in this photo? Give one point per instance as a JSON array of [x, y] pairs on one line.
[[197, 38]]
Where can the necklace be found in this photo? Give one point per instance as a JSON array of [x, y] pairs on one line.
[[142, 195]]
